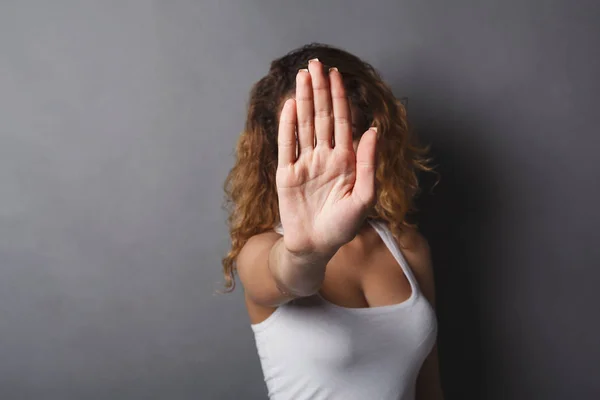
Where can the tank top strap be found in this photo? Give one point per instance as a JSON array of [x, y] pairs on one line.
[[390, 241], [278, 228]]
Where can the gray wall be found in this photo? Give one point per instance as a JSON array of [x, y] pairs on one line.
[[118, 120]]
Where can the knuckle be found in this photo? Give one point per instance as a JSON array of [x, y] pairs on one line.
[[364, 165], [338, 95], [342, 121], [323, 113], [304, 97], [287, 143], [306, 123], [287, 121]]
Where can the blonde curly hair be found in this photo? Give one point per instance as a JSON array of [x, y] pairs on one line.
[[250, 190]]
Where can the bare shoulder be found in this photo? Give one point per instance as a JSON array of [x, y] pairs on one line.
[[416, 251], [254, 247], [251, 262], [415, 247]]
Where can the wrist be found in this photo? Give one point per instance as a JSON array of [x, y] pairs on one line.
[[309, 257], [296, 275]]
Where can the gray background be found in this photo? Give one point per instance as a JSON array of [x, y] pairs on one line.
[[118, 120]]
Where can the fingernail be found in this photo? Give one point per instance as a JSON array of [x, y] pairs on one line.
[[303, 69], [373, 128], [333, 69], [314, 59]]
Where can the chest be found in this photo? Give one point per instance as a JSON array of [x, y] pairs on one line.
[[314, 334], [354, 281]]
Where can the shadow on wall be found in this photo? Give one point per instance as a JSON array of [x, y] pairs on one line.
[[454, 216]]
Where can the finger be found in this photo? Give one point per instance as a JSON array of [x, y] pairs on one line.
[[286, 138], [364, 186], [341, 111], [322, 104], [305, 111]]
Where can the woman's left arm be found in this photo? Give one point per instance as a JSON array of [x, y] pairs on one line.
[[417, 254], [429, 386]]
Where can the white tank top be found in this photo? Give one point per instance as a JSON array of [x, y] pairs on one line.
[[313, 349]]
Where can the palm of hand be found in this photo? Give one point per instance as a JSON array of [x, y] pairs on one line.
[[325, 190]]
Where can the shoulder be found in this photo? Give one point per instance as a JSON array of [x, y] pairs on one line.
[[255, 244], [253, 250], [414, 246], [416, 251]]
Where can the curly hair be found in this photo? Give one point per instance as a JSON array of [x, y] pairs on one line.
[[250, 190]]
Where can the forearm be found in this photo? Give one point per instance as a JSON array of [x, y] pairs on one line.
[[296, 275]]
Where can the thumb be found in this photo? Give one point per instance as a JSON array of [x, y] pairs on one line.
[[364, 186]]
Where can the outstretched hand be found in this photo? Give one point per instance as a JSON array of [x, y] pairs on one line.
[[325, 188]]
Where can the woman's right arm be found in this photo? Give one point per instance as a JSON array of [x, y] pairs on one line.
[[324, 189], [272, 275]]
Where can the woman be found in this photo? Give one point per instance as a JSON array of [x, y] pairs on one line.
[[338, 285]]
